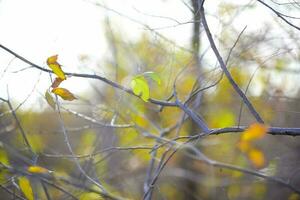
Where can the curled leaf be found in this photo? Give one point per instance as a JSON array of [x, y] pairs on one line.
[[50, 100], [154, 76], [254, 132], [26, 188], [55, 66], [52, 59], [37, 169], [56, 82], [140, 87], [64, 93]]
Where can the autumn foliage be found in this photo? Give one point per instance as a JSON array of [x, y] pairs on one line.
[[211, 119]]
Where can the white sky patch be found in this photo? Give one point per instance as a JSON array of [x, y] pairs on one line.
[[37, 29]]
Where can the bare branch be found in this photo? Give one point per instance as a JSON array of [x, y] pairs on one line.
[[280, 15], [225, 70], [90, 76]]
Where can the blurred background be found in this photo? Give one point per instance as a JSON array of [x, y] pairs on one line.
[[120, 39]]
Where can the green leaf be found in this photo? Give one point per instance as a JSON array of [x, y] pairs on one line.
[[50, 100], [154, 76], [25, 187], [140, 87]]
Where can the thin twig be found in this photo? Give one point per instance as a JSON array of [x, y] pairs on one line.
[[19, 125], [89, 76], [225, 70], [92, 120], [67, 141], [11, 192], [280, 15]]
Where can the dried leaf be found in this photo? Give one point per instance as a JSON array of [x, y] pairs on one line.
[[140, 87], [55, 66], [254, 132], [257, 158], [37, 170], [64, 93], [26, 188], [50, 100], [56, 82]]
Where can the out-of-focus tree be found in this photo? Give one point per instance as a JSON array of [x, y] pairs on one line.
[[213, 120]]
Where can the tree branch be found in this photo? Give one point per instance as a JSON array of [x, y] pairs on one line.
[[225, 70], [90, 76]]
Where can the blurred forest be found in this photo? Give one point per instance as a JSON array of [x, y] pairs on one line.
[[204, 131]]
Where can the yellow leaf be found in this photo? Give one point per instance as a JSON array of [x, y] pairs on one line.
[[90, 196], [56, 82], [26, 188], [52, 59], [3, 157], [64, 93], [55, 66], [254, 132], [50, 100], [257, 158], [37, 170], [140, 87]]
